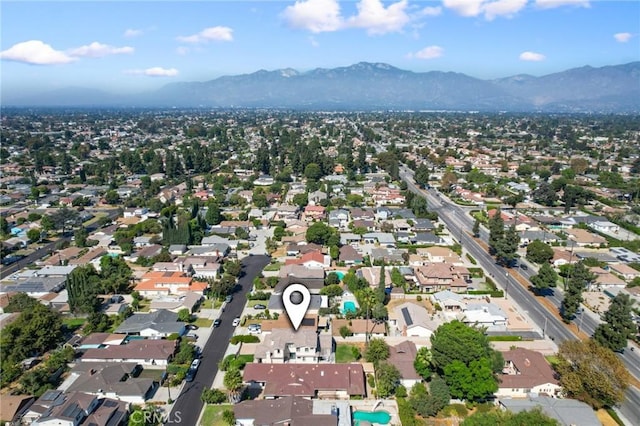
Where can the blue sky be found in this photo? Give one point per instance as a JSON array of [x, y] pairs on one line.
[[135, 46]]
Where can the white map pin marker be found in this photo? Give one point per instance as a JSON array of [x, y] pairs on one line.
[[296, 299]]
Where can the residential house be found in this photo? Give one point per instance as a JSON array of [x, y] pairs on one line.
[[313, 213], [382, 238], [359, 327], [150, 353], [348, 238], [161, 283], [372, 275], [189, 301], [339, 218], [364, 214], [440, 255], [286, 212], [449, 301], [442, 276], [350, 256], [284, 345], [605, 279], [158, 324], [625, 271], [487, 315], [312, 278], [402, 356], [295, 249], [115, 380], [388, 255], [322, 381], [527, 372], [424, 225], [74, 409], [583, 238], [13, 407], [567, 412], [411, 319], [316, 197], [317, 301], [311, 260], [289, 410]]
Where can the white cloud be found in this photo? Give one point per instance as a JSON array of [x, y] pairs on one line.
[[182, 50], [622, 37], [376, 19], [209, 34], [464, 7], [35, 52], [551, 4], [316, 16], [130, 32], [431, 11], [154, 72], [98, 50], [429, 52], [489, 8], [506, 8], [532, 56]]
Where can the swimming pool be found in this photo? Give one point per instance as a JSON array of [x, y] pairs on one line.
[[349, 306], [340, 274], [376, 417]]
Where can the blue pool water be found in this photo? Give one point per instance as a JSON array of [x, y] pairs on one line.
[[349, 306], [375, 417], [340, 274]]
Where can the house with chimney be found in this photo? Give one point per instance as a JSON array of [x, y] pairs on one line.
[[403, 356], [284, 345], [527, 372], [150, 353], [442, 276], [164, 283]]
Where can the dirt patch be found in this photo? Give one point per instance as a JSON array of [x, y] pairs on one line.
[[605, 418]]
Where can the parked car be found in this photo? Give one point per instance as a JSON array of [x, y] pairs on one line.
[[195, 364], [191, 327], [254, 329], [259, 306], [228, 299], [217, 322], [236, 322], [191, 337], [191, 374]]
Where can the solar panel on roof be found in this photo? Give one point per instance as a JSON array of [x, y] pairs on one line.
[[407, 317]]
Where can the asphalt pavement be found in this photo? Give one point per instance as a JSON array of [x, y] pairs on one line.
[[188, 405]]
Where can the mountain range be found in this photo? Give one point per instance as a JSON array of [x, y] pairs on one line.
[[379, 86]]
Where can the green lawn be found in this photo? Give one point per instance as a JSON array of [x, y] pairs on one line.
[[213, 415], [344, 353], [74, 323], [273, 266], [203, 322], [552, 359]]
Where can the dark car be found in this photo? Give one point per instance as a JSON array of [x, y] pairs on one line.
[[259, 306], [216, 322], [192, 327]]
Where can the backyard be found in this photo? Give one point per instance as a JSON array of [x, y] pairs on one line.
[[344, 353], [212, 415]]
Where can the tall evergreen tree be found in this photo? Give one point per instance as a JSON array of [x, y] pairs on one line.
[[579, 278], [618, 325], [496, 230], [545, 278]]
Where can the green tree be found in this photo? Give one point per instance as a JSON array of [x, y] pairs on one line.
[[213, 396], [377, 350], [421, 175], [387, 379], [457, 341], [233, 382], [233, 268], [579, 278], [423, 363], [213, 215], [539, 252], [591, 373], [83, 291], [33, 234], [229, 417], [63, 219], [439, 394], [332, 290], [301, 200], [4, 226], [506, 249], [472, 382], [184, 315], [332, 279], [496, 230], [320, 233], [618, 326], [345, 331], [112, 197], [313, 171], [476, 228], [545, 194], [20, 302], [81, 236], [546, 278]]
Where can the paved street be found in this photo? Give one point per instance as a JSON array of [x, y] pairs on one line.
[[459, 223], [188, 404]]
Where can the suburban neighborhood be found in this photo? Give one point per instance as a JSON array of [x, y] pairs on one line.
[[460, 266]]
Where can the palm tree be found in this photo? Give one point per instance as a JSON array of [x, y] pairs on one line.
[[233, 383]]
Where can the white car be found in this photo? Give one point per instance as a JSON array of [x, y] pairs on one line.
[[254, 329], [236, 322], [195, 364]]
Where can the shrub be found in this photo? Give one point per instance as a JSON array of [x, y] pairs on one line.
[[355, 351], [419, 298], [459, 410], [401, 392], [258, 295], [371, 380], [229, 417], [213, 396], [225, 363], [345, 331], [244, 338]]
